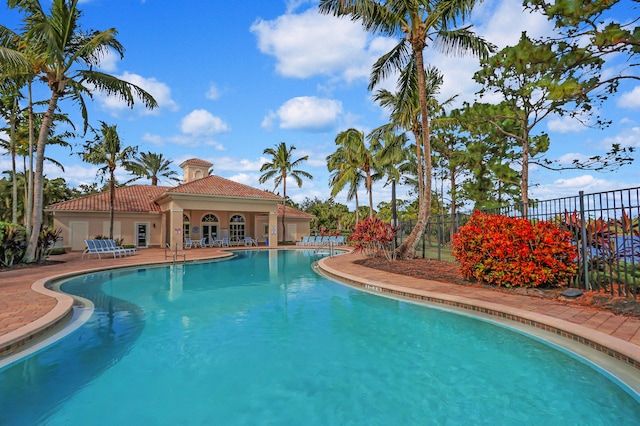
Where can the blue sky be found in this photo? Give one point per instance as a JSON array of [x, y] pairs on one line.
[[234, 78]]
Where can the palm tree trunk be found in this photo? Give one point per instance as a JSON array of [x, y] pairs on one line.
[[407, 249], [357, 209], [36, 217], [284, 205], [112, 199], [29, 181], [370, 193], [12, 144]]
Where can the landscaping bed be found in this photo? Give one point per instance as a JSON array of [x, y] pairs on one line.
[[449, 272]]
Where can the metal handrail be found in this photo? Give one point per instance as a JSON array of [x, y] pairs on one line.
[[174, 254]]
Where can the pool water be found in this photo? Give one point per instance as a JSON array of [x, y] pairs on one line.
[[262, 339]]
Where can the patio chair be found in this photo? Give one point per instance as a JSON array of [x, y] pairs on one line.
[[303, 242], [106, 248], [215, 242], [188, 243], [248, 241], [126, 251], [312, 241], [91, 249], [224, 242], [201, 243]]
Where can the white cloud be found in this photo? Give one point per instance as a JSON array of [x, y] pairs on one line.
[[202, 122], [630, 99], [213, 93], [160, 92], [500, 22], [109, 62], [572, 186], [308, 113], [565, 125], [309, 44], [626, 138], [234, 164]]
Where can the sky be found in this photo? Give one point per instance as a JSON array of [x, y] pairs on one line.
[[234, 78]]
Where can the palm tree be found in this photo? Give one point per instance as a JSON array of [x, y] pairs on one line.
[[68, 57], [353, 153], [280, 167], [343, 174], [106, 150], [392, 160], [418, 21], [152, 166]]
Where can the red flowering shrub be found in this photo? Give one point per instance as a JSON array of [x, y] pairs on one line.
[[373, 237], [514, 252]]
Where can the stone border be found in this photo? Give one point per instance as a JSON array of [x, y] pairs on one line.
[[616, 348]]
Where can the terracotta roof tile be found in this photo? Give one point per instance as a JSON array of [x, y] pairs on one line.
[[196, 162], [219, 186], [134, 198], [291, 212]]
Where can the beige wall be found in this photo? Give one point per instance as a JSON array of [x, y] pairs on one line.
[[259, 215], [94, 224]]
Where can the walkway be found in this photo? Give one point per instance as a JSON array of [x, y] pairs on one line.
[[28, 310]]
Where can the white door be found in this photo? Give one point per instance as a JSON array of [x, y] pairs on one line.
[[142, 235], [79, 233], [292, 232]]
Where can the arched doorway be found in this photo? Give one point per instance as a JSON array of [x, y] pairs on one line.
[[236, 228], [209, 226]]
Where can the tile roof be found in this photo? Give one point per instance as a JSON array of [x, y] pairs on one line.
[[133, 198], [219, 186], [291, 212], [196, 162], [141, 198]]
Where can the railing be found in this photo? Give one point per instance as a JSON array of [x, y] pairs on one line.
[[605, 227], [174, 254]]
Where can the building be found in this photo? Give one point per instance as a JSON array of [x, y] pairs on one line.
[[203, 206]]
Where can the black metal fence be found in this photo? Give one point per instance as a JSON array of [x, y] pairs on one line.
[[605, 227]]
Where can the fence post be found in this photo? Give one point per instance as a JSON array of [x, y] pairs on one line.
[[440, 233], [583, 236]]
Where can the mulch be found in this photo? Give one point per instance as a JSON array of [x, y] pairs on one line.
[[449, 272]]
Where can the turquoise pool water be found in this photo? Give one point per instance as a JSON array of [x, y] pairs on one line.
[[262, 339]]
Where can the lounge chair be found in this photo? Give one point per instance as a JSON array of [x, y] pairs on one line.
[[248, 241], [215, 242], [126, 251], [91, 249], [312, 240], [107, 248], [303, 242], [224, 242]]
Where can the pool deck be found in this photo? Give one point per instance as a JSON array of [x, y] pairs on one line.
[[28, 310]]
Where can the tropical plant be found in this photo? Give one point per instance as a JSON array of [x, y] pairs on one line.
[[418, 22], [105, 150], [374, 237], [281, 166], [64, 49], [12, 243], [511, 252], [152, 166]]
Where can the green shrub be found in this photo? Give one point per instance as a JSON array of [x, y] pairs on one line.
[[12, 243], [514, 252]]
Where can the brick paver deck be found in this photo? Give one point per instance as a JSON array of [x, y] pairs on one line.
[[28, 309]]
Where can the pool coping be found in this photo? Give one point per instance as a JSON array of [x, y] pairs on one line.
[[614, 347]]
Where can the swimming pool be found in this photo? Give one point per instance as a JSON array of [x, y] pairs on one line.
[[262, 339]]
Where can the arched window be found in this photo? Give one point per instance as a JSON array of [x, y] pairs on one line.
[[236, 228], [186, 226], [209, 225]]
